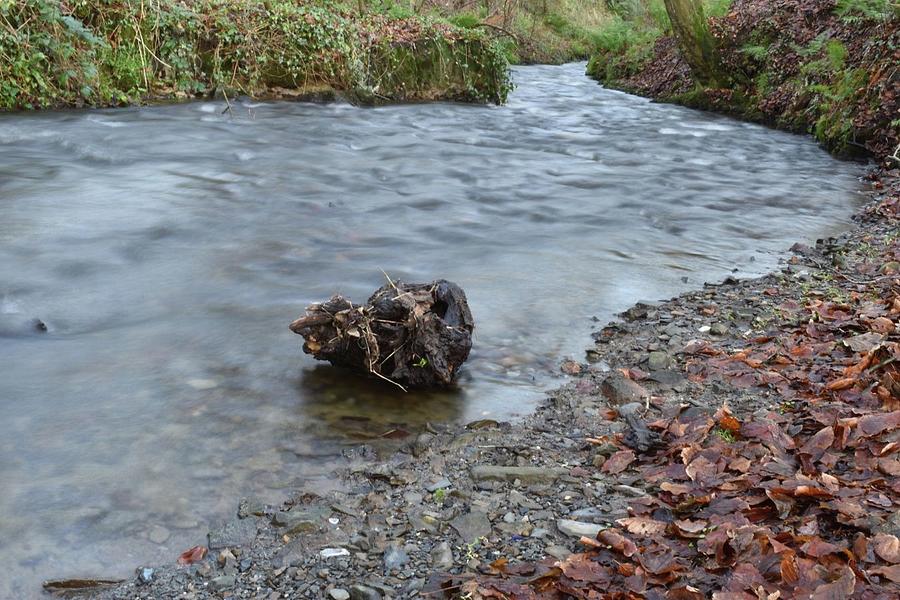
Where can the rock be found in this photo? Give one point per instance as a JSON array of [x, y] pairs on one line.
[[394, 558], [422, 444], [527, 475], [301, 520], [590, 514], [144, 575], [570, 367], [158, 534], [339, 594], [658, 360], [522, 501], [719, 329], [578, 529], [471, 526], [558, 552], [251, 507], [440, 484], [618, 389], [236, 533], [363, 592], [333, 552], [640, 310], [442, 557], [222, 582]]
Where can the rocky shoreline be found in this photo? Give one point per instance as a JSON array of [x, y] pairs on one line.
[[449, 503]]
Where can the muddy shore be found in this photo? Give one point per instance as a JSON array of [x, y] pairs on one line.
[[440, 507]]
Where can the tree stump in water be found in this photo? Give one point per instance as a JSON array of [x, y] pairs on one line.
[[412, 334]]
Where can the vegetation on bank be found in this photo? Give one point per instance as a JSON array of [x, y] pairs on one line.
[[112, 52], [530, 31], [828, 68]]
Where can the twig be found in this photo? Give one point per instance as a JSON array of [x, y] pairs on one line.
[[501, 30], [883, 363], [228, 108]]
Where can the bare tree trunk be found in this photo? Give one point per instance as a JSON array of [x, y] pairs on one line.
[[697, 44]]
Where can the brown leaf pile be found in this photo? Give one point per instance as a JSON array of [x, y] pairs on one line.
[[800, 502]]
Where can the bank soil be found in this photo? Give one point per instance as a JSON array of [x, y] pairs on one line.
[[737, 442]]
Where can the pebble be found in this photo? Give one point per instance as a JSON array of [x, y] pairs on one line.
[[526, 475], [145, 575], [440, 484], [222, 582], [442, 557], [657, 361], [333, 552], [578, 529], [339, 594], [363, 592], [618, 389], [558, 552]]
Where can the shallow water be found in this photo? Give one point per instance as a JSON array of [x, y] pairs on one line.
[[168, 248]]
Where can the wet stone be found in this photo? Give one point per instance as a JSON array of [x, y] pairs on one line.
[[364, 592], [527, 475], [144, 575], [558, 552], [300, 520], [236, 533], [442, 557], [658, 361], [223, 582], [578, 529], [440, 484], [618, 389], [471, 526]]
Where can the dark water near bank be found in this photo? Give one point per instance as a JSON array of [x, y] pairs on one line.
[[168, 248]]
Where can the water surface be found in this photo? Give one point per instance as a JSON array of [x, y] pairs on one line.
[[167, 249]]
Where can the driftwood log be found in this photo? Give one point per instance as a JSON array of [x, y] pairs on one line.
[[412, 334]]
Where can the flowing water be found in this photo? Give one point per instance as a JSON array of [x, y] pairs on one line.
[[166, 249]]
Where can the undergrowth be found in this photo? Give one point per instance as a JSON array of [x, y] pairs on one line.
[[106, 52], [829, 71]]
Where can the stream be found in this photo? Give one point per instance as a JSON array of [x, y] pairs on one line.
[[166, 249]]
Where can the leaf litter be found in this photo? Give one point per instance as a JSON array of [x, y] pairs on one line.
[[795, 502]]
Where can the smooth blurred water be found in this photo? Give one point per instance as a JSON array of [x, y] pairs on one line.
[[168, 248]]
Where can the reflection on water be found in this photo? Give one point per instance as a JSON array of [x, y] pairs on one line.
[[166, 249]]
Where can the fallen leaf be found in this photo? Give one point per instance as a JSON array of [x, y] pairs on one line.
[[841, 589], [887, 546], [618, 462], [642, 526], [892, 572], [195, 554]]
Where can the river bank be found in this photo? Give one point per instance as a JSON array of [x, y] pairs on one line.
[[823, 68], [124, 53], [770, 465]]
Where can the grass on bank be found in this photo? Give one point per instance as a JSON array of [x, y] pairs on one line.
[[107, 52], [531, 31], [820, 86]]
